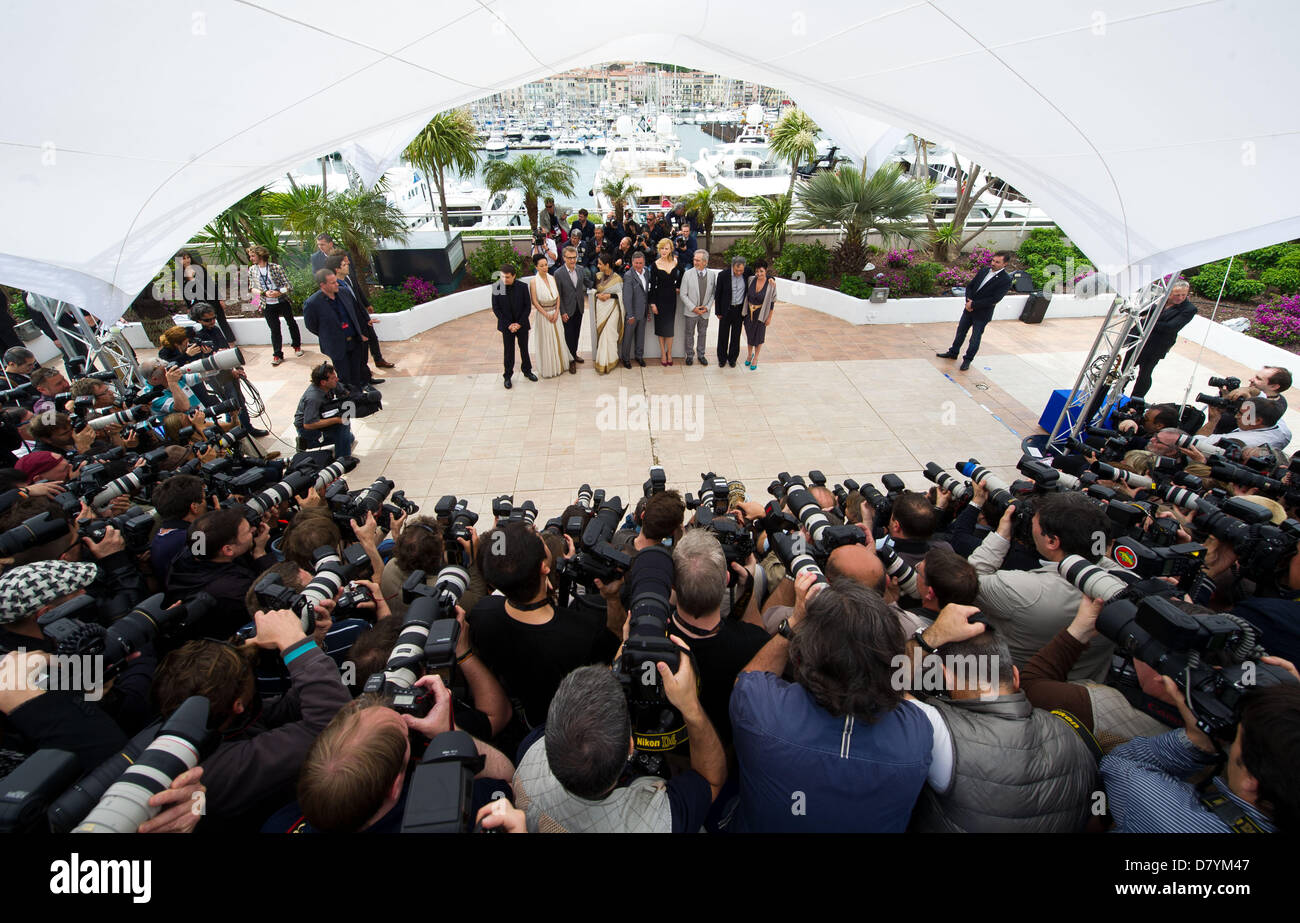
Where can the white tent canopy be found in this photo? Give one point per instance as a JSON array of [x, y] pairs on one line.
[[1158, 138]]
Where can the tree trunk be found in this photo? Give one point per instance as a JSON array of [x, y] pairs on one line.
[[359, 269], [442, 198], [794, 173]]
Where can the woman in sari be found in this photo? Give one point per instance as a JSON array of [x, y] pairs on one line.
[[552, 353], [609, 313]]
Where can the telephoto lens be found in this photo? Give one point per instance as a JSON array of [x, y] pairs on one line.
[[221, 361], [585, 497], [333, 471], [998, 489], [936, 475], [125, 485], [899, 569], [181, 744], [793, 557], [809, 512], [119, 417], [1090, 579], [1123, 476]]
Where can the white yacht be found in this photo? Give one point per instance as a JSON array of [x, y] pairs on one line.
[[468, 206], [496, 145], [598, 143], [567, 143], [746, 166], [648, 163]]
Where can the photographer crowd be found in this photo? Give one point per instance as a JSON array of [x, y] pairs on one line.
[[197, 637]]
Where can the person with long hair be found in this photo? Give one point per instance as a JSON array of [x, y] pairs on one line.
[[270, 287], [760, 300], [665, 284], [609, 313], [553, 357], [197, 285]]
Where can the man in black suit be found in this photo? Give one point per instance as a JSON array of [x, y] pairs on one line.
[[331, 319], [729, 305], [982, 296], [511, 305], [584, 225], [1177, 314], [571, 283]]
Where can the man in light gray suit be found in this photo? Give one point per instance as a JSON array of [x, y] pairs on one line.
[[696, 297], [572, 287], [636, 293]]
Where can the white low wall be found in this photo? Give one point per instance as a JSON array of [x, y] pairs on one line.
[[924, 310], [1237, 346], [253, 331]]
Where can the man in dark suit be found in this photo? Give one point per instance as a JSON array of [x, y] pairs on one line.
[[358, 302], [571, 283], [1177, 314], [335, 326], [729, 305], [511, 305], [982, 295], [636, 295]]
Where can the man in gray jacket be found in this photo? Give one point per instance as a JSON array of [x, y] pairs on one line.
[[636, 294], [696, 300], [572, 286], [999, 764], [1028, 607]]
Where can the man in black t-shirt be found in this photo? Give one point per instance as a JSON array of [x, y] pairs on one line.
[[528, 643], [721, 646]]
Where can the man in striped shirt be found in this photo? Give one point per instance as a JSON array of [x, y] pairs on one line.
[[1259, 792]]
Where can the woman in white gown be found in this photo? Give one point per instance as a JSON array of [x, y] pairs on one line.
[[609, 314], [552, 352]]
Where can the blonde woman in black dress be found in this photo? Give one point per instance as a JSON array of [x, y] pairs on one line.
[[665, 281]]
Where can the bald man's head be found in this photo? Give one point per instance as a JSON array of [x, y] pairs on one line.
[[859, 564]]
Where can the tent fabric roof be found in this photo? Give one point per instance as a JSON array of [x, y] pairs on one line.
[[1154, 134]]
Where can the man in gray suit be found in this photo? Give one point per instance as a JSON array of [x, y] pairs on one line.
[[636, 289], [696, 296], [572, 287]]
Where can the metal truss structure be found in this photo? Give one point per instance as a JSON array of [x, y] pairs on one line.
[[1112, 361], [107, 350]]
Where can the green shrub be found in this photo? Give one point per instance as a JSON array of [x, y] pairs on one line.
[[1268, 257], [488, 259], [1286, 279], [1047, 256], [391, 300], [1208, 281], [856, 286], [922, 277], [748, 249], [813, 260]]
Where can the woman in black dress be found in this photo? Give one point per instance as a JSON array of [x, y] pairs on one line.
[[665, 281]]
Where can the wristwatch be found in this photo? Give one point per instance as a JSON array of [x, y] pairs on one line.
[[919, 637], [785, 630]]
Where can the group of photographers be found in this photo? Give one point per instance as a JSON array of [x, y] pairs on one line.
[[260, 646]]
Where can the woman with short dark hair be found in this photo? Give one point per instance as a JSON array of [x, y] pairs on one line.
[[196, 287], [760, 299]]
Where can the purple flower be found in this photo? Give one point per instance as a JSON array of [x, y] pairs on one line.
[[419, 289], [981, 256], [897, 257]]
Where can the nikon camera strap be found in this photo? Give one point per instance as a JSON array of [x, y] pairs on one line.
[[1229, 812], [1085, 735]]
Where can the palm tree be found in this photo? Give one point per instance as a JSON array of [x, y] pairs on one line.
[[887, 201], [231, 233], [356, 220], [535, 176], [709, 204], [794, 138], [771, 221], [448, 142], [619, 191]]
